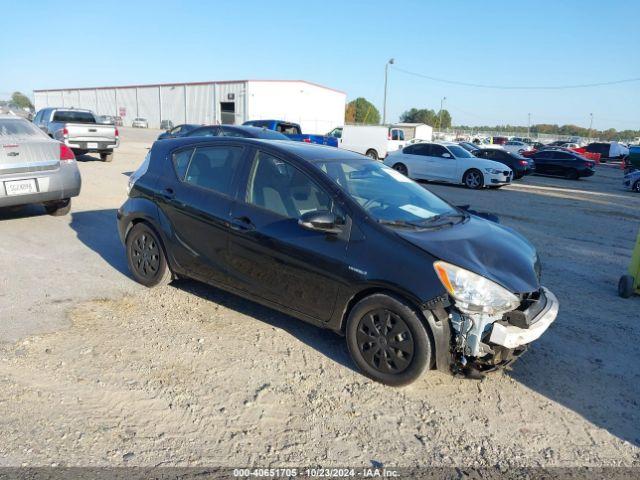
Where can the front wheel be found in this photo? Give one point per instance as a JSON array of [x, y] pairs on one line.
[[636, 186], [402, 168], [146, 258], [372, 154], [473, 179], [387, 340]]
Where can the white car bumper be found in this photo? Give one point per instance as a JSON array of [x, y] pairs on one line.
[[502, 178]]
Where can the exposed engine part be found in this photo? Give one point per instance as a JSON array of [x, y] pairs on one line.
[[469, 329]]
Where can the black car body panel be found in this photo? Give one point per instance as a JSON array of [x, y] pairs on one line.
[[562, 163], [520, 165]]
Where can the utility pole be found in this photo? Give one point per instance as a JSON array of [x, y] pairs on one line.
[[529, 126], [386, 74], [440, 116], [590, 124]]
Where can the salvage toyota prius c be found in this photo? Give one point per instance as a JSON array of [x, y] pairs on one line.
[[343, 242]]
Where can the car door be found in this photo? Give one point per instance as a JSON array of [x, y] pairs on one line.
[[271, 255], [542, 161], [196, 199], [441, 164], [414, 157]]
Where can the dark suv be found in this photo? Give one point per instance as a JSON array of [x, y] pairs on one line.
[[343, 242]]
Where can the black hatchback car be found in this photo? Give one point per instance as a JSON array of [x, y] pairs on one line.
[[343, 242], [563, 163], [520, 165]]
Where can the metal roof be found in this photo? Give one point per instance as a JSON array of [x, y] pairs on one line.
[[178, 84]]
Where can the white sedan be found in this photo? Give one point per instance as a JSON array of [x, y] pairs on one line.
[[448, 162], [514, 146]]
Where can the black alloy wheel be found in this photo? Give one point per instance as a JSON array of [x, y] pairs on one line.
[[388, 340], [146, 258]]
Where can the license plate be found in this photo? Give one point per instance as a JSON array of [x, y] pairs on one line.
[[92, 145], [21, 187]]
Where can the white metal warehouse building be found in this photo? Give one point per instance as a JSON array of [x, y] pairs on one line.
[[316, 108]]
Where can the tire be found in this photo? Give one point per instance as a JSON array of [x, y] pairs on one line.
[[572, 175], [58, 209], [402, 168], [636, 186], [372, 154], [146, 258], [369, 327], [625, 286], [473, 179], [106, 157]]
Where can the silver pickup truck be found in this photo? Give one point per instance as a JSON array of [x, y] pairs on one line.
[[79, 130]]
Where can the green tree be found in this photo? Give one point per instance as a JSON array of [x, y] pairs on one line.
[[425, 115], [21, 100], [361, 110]]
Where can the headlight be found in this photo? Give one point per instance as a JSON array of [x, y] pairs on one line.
[[474, 293], [495, 171]]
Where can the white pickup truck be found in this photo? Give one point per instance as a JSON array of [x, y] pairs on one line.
[[79, 130]]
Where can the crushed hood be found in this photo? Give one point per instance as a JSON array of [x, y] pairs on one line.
[[485, 248]]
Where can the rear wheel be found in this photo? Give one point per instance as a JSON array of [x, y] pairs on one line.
[[473, 179], [636, 186], [572, 175], [146, 258], [402, 168], [387, 340], [106, 156], [372, 154], [58, 209]]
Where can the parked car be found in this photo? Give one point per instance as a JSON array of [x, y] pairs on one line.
[[79, 130], [293, 131], [166, 125], [236, 131], [371, 140], [140, 122], [607, 151], [469, 147], [106, 120], [35, 168], [632, 180], [179, 131], [340, 241], [520, 165], [448, 162], [564, 163], [516, 147]]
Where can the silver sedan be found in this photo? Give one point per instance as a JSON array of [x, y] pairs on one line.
[[35, 169]]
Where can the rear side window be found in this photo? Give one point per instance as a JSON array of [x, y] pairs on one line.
[[288, 128], [203, 132], [181, 161], [437, 151], [213, 168]]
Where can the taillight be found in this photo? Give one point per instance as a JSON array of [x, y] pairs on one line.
[[117, 133], [66, 154], [65, 132], [524, 162], [306, 140]]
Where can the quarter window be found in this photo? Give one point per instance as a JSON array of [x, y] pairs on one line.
[[181, 161], [283, 189], [213, 168]]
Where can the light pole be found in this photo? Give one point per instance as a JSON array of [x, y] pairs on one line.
[[590, 124], [440, 116], [529, 126], [384, 105]]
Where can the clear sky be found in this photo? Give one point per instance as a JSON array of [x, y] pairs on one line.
[[345, 44]]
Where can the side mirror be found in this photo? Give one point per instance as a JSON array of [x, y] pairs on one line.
[[447, 155], [320, 221]]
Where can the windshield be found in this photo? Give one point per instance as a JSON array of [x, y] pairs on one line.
[[385, 194], [459, 152]]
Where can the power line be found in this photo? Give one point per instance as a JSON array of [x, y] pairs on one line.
[[518, 87]]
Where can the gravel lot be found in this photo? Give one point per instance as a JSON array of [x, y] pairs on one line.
[[95, 370]]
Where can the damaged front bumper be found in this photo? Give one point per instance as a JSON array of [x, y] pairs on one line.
[[482, 343]]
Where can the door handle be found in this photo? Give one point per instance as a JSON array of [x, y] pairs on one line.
[[242, 224], [168, 193]]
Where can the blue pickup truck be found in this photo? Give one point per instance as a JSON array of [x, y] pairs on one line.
[[293, 131]]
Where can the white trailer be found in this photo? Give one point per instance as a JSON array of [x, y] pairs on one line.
[[415, 131], [374, 141]]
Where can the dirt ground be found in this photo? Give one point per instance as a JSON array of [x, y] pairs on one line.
[[105, 373]]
